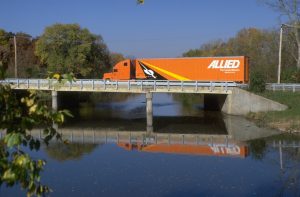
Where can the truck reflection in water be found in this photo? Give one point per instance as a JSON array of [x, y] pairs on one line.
[[231, 150]]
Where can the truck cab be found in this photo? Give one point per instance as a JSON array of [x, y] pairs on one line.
[[121, 71]]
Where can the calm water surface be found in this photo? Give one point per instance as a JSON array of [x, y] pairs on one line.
[[190, 153]]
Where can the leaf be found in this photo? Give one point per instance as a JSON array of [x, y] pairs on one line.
[[56, 76], [47, 139], [9, 176], [21, 160], [13, 139], [67, 113], [40, 163], [33, 108], [37, 145], [140, 1]]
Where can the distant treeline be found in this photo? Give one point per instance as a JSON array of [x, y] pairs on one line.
[[62, 48], [65, 48], [262, 46]]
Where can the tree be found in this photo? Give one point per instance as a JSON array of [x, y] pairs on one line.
[[18, 115], [4, 49], [260, 45], [115, 58], [67, 48], [290, 9], [28, 63]]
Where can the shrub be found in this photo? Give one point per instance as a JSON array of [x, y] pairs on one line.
[[257, 82], [290, 75]]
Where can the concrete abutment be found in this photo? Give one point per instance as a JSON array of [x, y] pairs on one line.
[[240, 102]]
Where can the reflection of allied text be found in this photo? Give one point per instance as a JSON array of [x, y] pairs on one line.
[[225, 149]]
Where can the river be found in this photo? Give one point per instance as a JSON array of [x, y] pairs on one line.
[[191, 152]]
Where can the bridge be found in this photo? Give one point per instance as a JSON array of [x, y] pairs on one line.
[[227, 97], [128, 86]]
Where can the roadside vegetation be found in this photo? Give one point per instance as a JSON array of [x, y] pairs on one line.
[[288, 120]]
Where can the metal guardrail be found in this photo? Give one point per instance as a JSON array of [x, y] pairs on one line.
[[102, 85], [295, 87], [285, 144], [283, 87]]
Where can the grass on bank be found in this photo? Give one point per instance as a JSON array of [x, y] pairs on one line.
[[288, 120]]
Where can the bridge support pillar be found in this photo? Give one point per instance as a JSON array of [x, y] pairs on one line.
[[54, 105], [54, 100], [149, 111]]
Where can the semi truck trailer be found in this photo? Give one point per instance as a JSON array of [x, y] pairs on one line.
[[233, 68]]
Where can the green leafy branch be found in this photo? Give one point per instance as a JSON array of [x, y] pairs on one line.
[[17, 117]]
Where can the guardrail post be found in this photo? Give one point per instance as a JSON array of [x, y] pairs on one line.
[[181, 86], [18, 83], [104, 83], [294, 88], [117, 84], [273, 87], [129, 139], [38, 83], [27, 83], [142, 85], [93, 84], [210, 87], [70, 85], [283, 88], [226, 87], [154, 85], [196, 88], [226, 141], [81, 84], [128, 84], [168, 85]]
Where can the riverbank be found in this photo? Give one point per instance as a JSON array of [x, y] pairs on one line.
[[288, 120]]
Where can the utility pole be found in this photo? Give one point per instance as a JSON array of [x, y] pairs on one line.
[[279, 55], [16, 63]]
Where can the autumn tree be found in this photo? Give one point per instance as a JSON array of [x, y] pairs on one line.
[[28, 62], [291, 10], [4, 49], [260, 45], [67, 48]]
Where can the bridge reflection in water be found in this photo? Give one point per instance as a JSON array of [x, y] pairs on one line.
[[170, 143], [229, 139]]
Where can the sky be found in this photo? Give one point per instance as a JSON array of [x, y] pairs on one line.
[[158, 28]]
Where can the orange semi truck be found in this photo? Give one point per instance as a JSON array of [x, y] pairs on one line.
[[234, 68]]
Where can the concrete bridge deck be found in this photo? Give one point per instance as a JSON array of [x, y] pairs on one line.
[[129, 86]]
